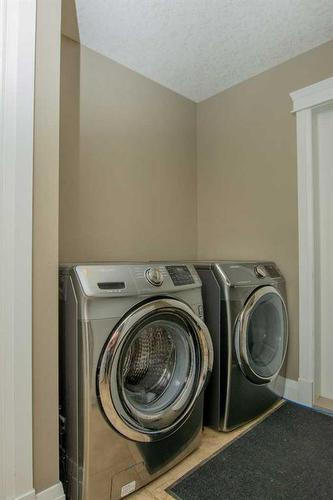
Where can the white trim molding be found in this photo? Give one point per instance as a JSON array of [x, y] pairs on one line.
[[291, 390], [30, 495], [306, 248], [313, 95], [305, 101], [298, 391], [17, 68], [55, 492]]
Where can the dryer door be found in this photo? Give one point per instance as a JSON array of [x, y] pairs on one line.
[[262, 335], [153, 368]]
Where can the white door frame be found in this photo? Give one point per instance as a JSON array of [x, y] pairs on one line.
[[305, 102], [17, 68]]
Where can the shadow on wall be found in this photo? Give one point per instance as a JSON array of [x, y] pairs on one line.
[[69, 21], [69, 172]]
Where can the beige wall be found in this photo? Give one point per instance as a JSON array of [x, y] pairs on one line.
[[247, 172], [128, 163], [45, 246]]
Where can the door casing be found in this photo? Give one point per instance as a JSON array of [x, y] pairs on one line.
[[305, 105], [17, 68]]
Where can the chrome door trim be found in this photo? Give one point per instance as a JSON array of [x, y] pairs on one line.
[[241, 333], [107, 387]]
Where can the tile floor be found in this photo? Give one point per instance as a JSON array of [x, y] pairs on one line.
[[212, 442]]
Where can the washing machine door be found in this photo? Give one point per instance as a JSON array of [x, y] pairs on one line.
[[262, 335], [153, 368]]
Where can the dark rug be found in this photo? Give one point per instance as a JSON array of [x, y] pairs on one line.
[[288, 455]]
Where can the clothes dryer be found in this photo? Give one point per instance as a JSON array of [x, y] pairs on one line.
[[246, 312]]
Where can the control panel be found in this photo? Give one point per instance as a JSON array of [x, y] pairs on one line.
[[106, 280], [180, 275], [246, 273]]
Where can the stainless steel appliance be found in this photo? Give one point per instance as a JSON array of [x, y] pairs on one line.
[[246, 313], [134, 358]]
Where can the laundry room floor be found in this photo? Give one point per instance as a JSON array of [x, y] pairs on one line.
[[212, 442]]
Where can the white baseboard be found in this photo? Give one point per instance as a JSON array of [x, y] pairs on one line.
[[291, 389], [300, 391], [55, 492], [305, 392], [30, 495]]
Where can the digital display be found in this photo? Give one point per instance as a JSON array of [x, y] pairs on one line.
[[111, 285], [180, 275]]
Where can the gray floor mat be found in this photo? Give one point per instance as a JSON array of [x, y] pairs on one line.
[[287, 456]]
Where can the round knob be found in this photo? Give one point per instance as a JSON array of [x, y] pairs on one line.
[[154, 276], [260, 271]]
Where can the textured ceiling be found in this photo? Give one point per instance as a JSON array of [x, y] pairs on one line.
[[200, 47]]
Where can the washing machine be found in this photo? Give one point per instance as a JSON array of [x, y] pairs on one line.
[[135, 356], [246, 313]]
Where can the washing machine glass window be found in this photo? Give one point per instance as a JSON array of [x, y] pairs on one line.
[[262, 335], [152, 369], [157, 367]]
